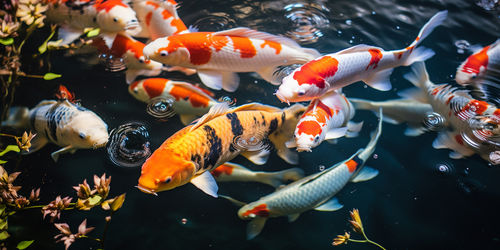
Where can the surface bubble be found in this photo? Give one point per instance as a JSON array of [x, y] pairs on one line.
[[129, 145], [306, 21], [445, 169], [462, 46], [434, 121], [321, 167], [111, 63]]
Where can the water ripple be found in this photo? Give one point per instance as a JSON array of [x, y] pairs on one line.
[[161, 107], [215, 22], [129, 145], [306, 21]]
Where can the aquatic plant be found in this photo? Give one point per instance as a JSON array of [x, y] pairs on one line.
[[12, 202], [357, 226]]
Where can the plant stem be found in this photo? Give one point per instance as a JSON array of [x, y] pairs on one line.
[[91, 238], [106, 226], [19, 73]]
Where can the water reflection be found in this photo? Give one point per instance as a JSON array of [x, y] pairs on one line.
[[215, 22], [306, 21]]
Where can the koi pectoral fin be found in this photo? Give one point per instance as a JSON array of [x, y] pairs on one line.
[[55, 155], [257, 157], [255, 226], [214, 79], [365, 174], [380, 80], [331, 205], [206, 183]]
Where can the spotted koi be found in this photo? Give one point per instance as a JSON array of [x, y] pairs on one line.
[[476, 65], [369, 64]]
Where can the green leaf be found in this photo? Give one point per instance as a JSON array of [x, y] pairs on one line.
[[51, 76], [10, 148], [4, 235], [93, 32], [43, 47], [24, 244], [7, 41], [2, 162], [2, 208], [94, 200], [3, 225], [118, 202]]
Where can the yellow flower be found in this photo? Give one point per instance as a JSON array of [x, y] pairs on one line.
[[341, 239], [356, 223], [8, 28], [31, 12], [25, 142]]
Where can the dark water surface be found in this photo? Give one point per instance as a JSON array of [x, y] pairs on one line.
[[409, 205]]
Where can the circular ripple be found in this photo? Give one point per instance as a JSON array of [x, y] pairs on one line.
[[445, 169], [462, 46], [306, 21], [249, 143], [161, 107], [434, 121], [215, 22], [129, 145], [111, 63]]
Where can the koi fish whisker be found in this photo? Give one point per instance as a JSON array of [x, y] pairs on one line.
[[145, 190]]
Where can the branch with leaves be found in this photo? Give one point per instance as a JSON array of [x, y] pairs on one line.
[[357, 226]]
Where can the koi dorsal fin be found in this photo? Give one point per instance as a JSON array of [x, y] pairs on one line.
[[45, 102], [172, 8], [358, 48], [250, 33], [256, 106], [215, 111]]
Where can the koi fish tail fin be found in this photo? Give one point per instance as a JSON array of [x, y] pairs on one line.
[[18, 118], [370, 148], [419, 76], [279, 178], [132, 74], [282, 135], [414, 54], [255, 226]]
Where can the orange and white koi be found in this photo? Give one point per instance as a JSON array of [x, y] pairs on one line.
[[369, 64], [465, 116], [315, 191], [235, 172], [110, 16], [190, 154], [190, 101], [158, 18], [126, 47], [326, 118], [217, 56], [475, 66]]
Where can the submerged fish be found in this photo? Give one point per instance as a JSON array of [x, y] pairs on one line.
[[158, 18], [190, 101], [65, 124], [110, 16], [126, 47], [235, 172], [460, 110], [217, 56], [311, 192], [399, 111], [219, 136], [326, 118], [64, 94], [477, 64], [369, 64]]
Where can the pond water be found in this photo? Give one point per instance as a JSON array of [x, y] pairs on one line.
[[421, 199]]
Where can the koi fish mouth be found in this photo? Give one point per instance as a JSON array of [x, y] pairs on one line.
[[281, 97], [147, 191], [304, 149], [133, 24]]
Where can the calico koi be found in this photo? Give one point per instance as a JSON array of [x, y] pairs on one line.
[[190, 154], [369, 64], [477, 64], [217, 56]]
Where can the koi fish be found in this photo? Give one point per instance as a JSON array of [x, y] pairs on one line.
[[217, 56], [62, 123], [475, 66], [235, 172], [459, 109], [217, 137], [190, 101], [110, 16], [326, 118], [397, 111], [158, 18], [315, 191], [130, 50], [362, 62]]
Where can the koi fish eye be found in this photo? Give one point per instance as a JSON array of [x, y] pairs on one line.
[[301, 92], [316, 139], [473, 75], [163, 53], [81, 135], [135, 90], [115, 20], [168, 179], [141, 60]]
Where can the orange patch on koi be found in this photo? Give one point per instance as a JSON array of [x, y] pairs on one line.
[[260, 210], [108, 5], [351, 165], [154, 86], [245, 46], [273, 45], [315, 71], [186, 94], [148, 18], [155, 5], [179, 24], [376, 57], [309, 127], [222, 169], [475, 61]]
